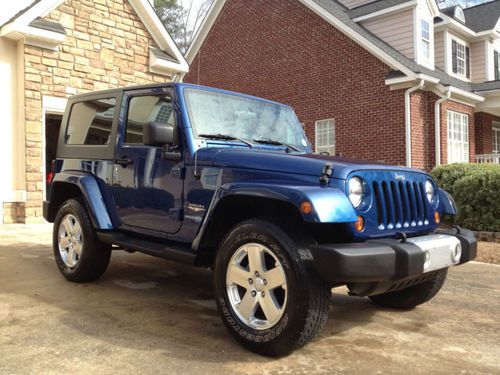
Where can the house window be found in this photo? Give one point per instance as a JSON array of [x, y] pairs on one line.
[[460, 58], [496, 57], [496, 138], [425, 44], [325, 136], [458, 137]]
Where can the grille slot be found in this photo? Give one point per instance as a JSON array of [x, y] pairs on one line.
[[400, 204]]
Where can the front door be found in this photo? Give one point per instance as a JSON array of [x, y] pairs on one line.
[[147, 189]]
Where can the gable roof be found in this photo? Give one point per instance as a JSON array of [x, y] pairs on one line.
[[374, 7], [483, 16], [32, 16]]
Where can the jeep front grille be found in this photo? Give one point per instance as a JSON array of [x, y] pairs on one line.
[[400, 204]]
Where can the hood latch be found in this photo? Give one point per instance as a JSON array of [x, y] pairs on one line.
[[326, 174]]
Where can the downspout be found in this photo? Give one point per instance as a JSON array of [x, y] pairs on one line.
[[408, 119], [437, 124]]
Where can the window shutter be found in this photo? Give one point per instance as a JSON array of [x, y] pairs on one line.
[[467, 62], [497, 73], [454, 56]]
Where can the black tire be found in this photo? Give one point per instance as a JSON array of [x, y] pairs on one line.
[[95, 255], [306, 310], [413, 296]]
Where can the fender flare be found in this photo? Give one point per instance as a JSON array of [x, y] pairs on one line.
[[91, 193], [447, 204], [330, 205]]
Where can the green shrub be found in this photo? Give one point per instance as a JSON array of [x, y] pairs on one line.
[[478, 199], [476, 189], [447, 175]]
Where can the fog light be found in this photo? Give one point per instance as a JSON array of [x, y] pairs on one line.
[[456, 253], [437, 218], [359, 225]]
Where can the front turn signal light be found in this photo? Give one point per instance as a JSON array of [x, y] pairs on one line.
[[437, 218], [359, 224], [306, 207]]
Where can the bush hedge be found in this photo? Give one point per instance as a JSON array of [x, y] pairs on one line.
[[476, 189]]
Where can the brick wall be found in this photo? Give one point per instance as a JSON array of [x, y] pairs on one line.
[[280, 50], [484, 130], [106, 46]]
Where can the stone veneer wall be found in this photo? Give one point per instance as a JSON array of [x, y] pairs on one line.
[[106, 46]]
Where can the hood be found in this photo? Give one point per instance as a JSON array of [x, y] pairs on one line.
[[305, 164]]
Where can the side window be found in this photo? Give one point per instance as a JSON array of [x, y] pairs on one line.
[[90, 122], [144, 109]]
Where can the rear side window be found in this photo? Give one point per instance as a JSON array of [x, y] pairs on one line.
[[90, 122], [144, 109]]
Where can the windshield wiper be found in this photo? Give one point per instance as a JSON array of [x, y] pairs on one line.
[[268, 141], [224, 137]]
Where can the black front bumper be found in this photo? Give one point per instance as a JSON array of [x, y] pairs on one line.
[[380, 260]]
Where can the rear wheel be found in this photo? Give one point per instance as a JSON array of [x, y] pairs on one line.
[[413, 296], [79, 255], [269, 297]]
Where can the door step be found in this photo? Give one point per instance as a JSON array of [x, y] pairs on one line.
[[176, 253]]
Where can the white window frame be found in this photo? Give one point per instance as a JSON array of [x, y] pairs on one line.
[[449, 56], [495, 140], [329, 144], [458, 137], [425, 39], [461, 49]]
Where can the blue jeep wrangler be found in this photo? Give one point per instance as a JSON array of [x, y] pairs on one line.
[[228, 181]]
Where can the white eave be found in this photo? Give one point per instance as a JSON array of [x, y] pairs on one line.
[[33, 35]]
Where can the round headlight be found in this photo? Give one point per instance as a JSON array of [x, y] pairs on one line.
[[429, 190], [356, 191]]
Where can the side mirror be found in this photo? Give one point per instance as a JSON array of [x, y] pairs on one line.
[[158, 134]]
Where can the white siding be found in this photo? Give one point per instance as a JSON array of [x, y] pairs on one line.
[[439, 50], [355, 3], [396, 29], [478, 61], [490, 61]]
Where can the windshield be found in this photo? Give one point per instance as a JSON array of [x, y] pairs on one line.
[[240, 117]]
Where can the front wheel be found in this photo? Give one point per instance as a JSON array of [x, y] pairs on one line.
[[413, 296], [270, 299]]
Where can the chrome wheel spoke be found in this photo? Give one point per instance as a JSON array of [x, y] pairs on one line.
[[71, 256], [78, 249], [270, 307], [255, 259], [247, 305], [275, 277], [77, 229], [238, 275], [64, 242], [66, 223]]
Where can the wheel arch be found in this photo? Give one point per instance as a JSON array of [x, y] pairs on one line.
[[79, 185]]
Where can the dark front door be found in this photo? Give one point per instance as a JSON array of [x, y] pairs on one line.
[[147, 189]]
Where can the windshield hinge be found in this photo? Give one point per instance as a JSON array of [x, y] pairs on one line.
[[326, 174]]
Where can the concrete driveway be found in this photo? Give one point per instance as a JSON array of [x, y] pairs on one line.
[[151, 316]]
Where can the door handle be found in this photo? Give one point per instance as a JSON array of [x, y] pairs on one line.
[[123, 161]]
